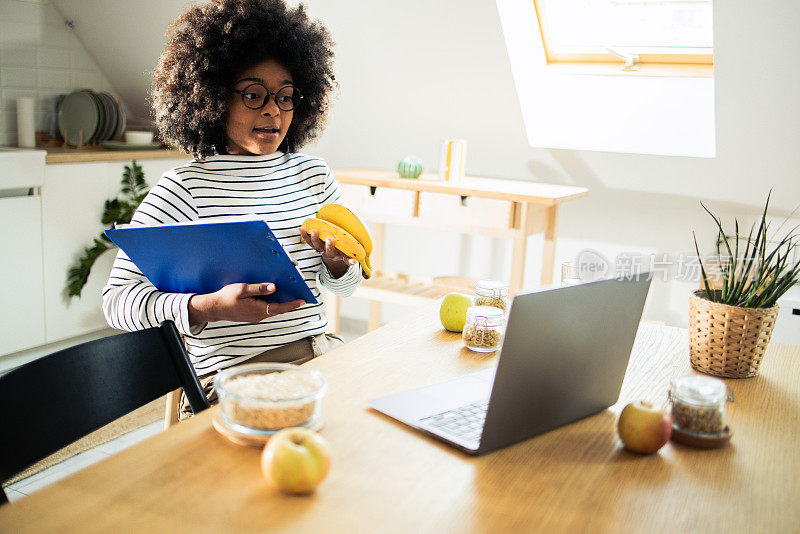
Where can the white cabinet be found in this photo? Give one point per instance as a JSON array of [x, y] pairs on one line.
[[42, 236], [72, 203], [22, 310], [73, 197], [20, 168]]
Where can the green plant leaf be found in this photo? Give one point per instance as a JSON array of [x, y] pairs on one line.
[[119, 210], [79, 274], [709, 294], [763, 273]]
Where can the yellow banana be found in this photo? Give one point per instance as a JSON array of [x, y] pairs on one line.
[[343, 241], [352, 223]]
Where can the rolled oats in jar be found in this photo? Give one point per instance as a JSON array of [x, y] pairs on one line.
[[266, 397], [491, 293], [698, 404], [483, 330]]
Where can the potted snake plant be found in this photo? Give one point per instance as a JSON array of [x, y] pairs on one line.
[[732, 315]]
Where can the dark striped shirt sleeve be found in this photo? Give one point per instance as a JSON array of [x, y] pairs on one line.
[[130, 301]]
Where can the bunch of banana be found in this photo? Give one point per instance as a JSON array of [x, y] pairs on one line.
[[348, 232]]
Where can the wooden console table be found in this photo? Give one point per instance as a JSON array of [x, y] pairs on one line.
[[485, 206]]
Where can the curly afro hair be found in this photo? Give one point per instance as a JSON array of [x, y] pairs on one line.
[[210, 44]]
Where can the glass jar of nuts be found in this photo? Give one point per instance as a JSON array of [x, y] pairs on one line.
[[483, 329], [698, 404], [491, 293]]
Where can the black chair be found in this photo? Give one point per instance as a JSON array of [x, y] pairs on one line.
[[53, 401]]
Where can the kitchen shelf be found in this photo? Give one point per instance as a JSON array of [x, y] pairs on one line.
[[87, 155]]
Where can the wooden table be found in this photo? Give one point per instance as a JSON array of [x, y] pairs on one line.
[[485, 206], [386, 478]]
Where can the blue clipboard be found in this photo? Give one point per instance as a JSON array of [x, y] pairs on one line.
[[203, 257]]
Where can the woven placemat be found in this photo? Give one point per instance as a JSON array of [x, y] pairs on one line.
[[149, 413]]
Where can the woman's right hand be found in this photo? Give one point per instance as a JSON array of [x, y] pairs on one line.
[[237, 303]]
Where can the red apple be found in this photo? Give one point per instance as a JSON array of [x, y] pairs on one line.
[[296, 460], [643, 428]]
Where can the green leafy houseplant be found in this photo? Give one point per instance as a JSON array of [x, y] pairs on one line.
[[118, 210], [756, 275]]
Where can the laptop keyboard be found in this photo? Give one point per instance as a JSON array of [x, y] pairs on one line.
[[466, 421]]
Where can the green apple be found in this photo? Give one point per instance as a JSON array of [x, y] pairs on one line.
[[453, 312], [295, 460]]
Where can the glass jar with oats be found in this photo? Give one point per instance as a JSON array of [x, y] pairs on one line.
[[698, 404], [491, 293], [262, 398], [483, 329]]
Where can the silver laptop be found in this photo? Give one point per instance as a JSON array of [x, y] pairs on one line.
[[563, 358]]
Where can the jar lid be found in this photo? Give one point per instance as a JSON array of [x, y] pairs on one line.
[[491, 288], [700, 390], [493, 316]]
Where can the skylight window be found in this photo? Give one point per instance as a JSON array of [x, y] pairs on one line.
[[629, 31], [576, 94]]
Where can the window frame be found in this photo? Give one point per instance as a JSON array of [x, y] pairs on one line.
[[665, 60]]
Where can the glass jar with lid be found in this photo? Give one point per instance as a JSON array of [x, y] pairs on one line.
[[491, 293], [698, 404], [483, 329]]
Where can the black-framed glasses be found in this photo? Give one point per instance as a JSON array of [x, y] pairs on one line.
[[256, 95]]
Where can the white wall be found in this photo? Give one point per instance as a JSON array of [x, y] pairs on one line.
[[40, 57], [393, 54], [125, 37], [415, 71]]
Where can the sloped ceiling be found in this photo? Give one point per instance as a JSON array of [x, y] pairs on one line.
[[125, 38]]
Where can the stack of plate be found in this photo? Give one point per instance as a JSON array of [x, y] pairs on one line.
[[86, 118]]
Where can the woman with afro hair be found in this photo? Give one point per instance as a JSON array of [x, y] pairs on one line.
[[241, 85]]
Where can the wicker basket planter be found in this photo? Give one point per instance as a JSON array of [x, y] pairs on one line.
[[728, 341]]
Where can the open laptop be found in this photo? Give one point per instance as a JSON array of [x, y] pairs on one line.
[[563, 358]]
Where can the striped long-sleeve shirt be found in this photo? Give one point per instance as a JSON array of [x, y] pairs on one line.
[[284, 190]]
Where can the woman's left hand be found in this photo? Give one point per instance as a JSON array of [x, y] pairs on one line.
[[335, 260]]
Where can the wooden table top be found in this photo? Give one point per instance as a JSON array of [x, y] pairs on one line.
[[514, 190], [386, 478]]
